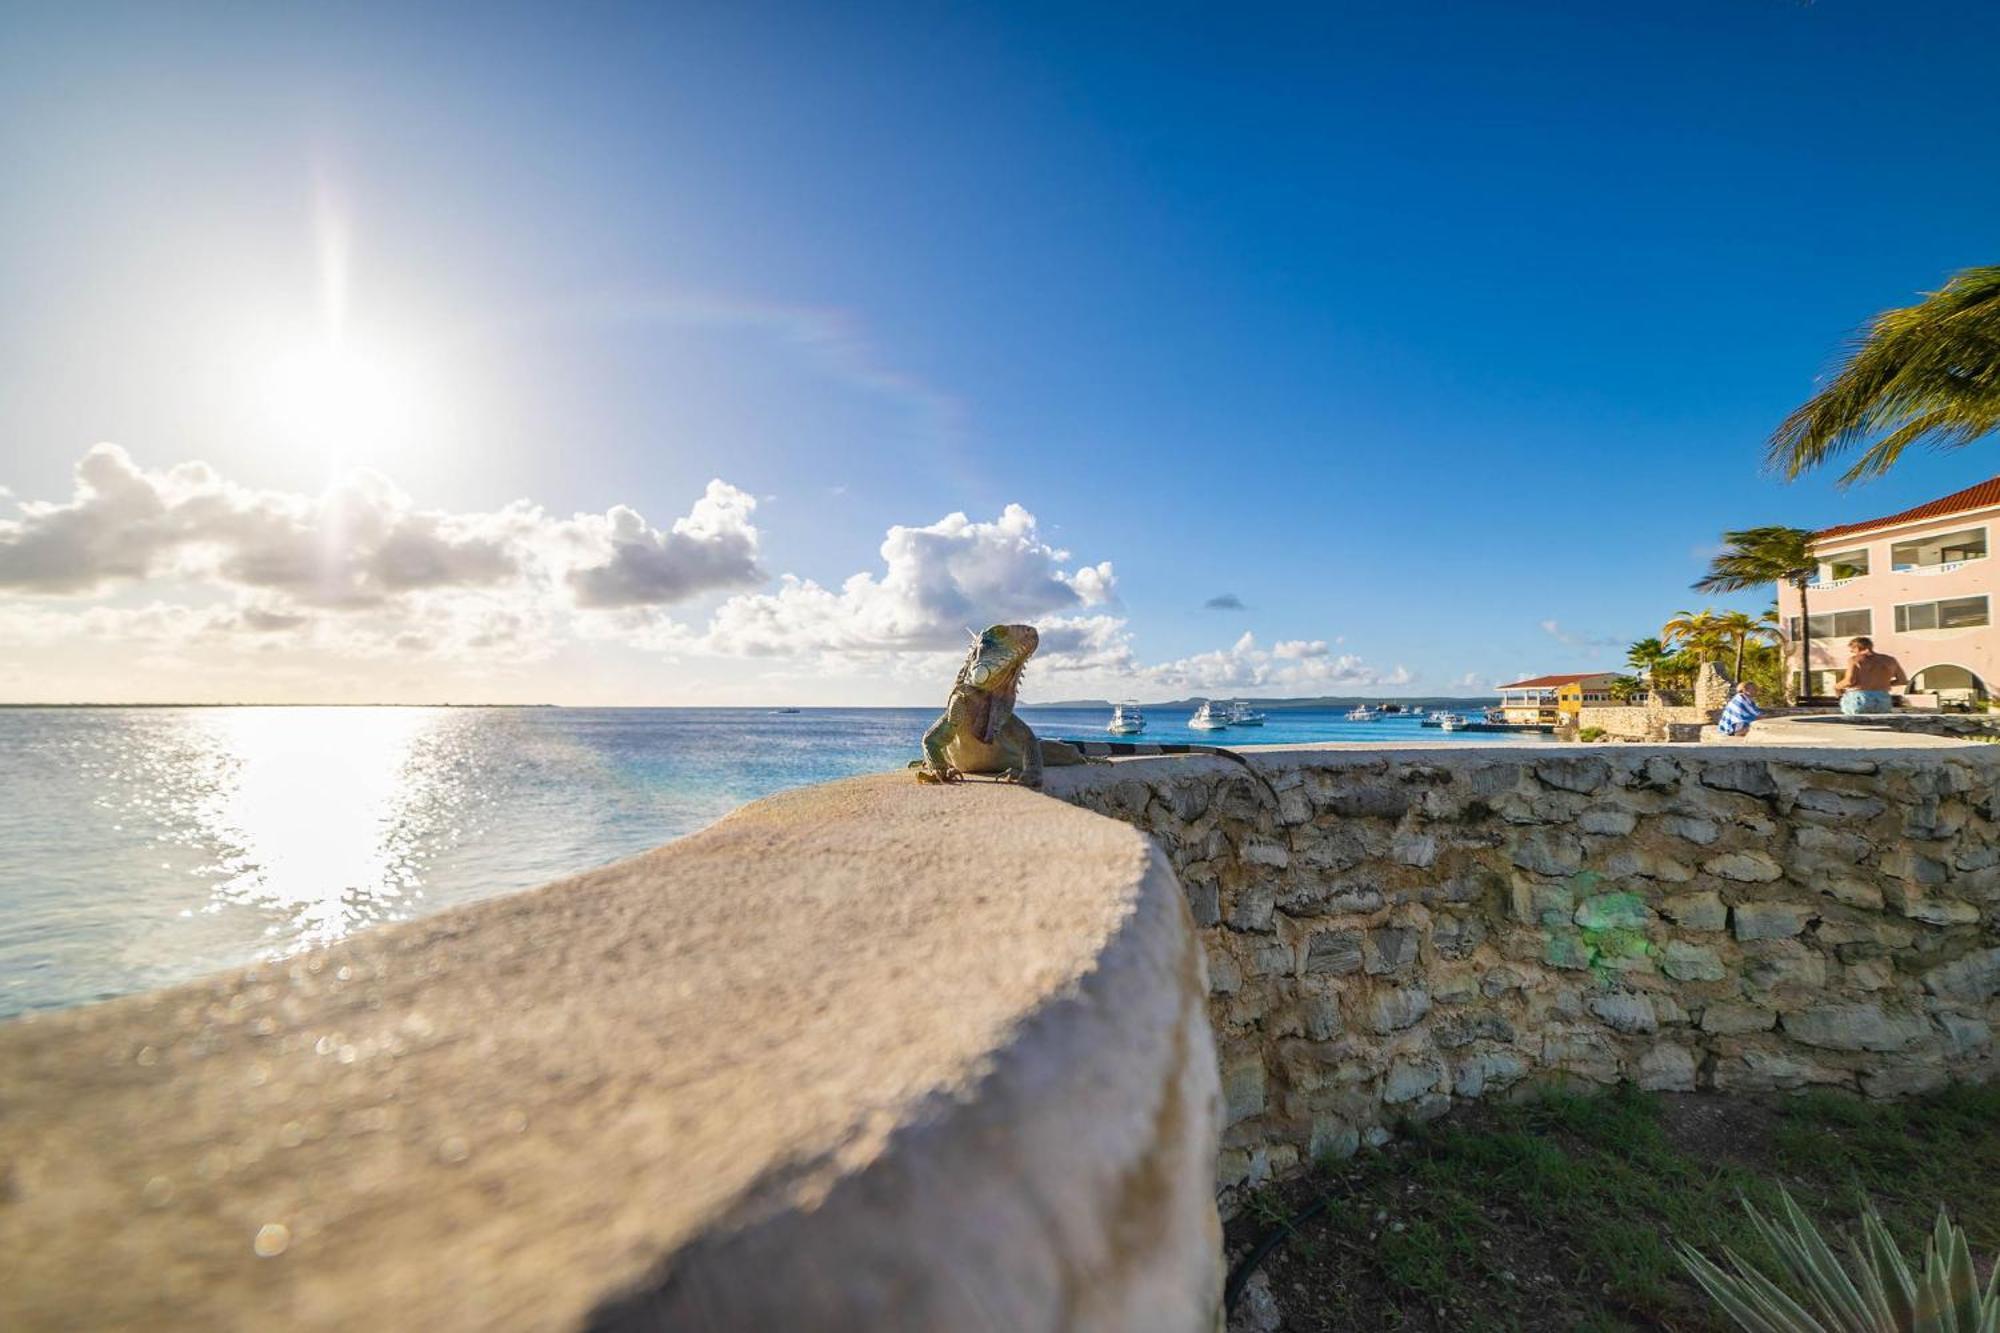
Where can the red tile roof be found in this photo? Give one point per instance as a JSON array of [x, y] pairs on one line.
[[1985, 494], [1539, 682]]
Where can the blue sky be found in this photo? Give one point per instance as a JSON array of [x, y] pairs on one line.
[[1417, 328]]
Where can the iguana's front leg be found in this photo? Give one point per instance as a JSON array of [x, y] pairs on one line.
[[1024, 753], [936, 767]]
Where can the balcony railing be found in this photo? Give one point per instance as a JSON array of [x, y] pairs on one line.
[[1823, 585], [1942, 567]]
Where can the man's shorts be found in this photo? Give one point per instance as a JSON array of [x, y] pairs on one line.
[[1865, 701]]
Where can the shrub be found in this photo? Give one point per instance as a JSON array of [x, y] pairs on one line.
[[1881, 1295], [1590, 734]]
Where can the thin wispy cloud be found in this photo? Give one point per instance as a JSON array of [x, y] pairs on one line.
[[1571, 639], [832, 340]]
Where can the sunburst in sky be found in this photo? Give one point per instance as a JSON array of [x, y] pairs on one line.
[[750, 353]]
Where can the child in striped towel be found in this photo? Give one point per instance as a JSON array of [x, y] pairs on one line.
[[1739, 712]]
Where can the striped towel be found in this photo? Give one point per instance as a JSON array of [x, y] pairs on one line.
[[1737, 715]]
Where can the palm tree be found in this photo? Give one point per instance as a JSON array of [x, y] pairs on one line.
[[1649, 658], [1740, 628], [1697, 632], [1928, 372], [1754, 557]]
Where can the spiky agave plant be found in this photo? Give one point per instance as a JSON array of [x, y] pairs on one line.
[[1881, 1296]]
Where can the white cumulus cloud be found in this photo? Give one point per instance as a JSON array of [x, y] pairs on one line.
[[1290, 664], [359, 570], [714, 547], [936, 582], [185, 565]]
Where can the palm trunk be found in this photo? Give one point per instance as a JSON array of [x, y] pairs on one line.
[[1805, 645], [1741, 643]]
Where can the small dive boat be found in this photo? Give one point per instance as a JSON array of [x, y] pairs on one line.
[[1243, 715], [1210, 717], [1452, 722], [1364, 714], [1126, 719]]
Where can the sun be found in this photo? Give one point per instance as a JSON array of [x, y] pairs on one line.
[[341, 403]]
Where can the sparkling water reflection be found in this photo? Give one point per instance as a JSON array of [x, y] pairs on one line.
[[140, 847]]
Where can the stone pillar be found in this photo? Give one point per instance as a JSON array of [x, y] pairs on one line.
[[1712, 688]]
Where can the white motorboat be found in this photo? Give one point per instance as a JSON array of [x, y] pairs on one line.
[[1243, 715], [1210, 717], [1452, 722], [1365, 714], [1127, 719]]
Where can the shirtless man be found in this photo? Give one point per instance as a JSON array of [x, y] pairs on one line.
[[1865, 687]]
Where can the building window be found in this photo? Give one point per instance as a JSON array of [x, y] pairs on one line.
[[1846, 564], [1836, 624], [1953, 613], [1941, 550]]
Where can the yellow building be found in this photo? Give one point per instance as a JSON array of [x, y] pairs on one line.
[[1545, 700]]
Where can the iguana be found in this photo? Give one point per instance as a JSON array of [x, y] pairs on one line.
[[979, 733]]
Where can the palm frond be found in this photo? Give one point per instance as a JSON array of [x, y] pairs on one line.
[[1928, 372]]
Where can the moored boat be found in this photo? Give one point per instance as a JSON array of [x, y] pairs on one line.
[[1127, 719], [1210, 717], [1243, 715], [1364, 714]]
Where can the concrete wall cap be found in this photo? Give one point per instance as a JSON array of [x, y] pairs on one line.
[[866, 1055]]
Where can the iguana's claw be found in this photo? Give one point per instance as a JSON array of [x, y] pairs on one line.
[[945, 774]]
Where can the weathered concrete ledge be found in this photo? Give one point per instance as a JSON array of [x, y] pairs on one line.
[[866, 1056], [1395, 931]]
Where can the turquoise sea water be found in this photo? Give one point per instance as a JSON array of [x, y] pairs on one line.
[[144, 846]]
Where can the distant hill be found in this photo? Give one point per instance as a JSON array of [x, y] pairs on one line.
[[1423, 702]]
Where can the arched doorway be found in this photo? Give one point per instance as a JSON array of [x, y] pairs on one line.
[[1948, 678]]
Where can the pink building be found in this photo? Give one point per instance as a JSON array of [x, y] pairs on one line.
[[1918, 583]]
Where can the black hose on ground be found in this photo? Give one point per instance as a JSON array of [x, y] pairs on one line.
[[1246, 1268]]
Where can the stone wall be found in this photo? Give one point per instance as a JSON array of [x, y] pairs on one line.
[[1656, 718], [1650, 721], [1391, 932]]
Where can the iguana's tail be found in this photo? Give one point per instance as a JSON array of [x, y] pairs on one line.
[[1106, 749]]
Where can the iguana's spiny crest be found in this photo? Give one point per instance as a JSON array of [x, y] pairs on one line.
[[992, 675]]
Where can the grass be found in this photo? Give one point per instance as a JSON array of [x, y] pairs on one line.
[[1559, 1212]]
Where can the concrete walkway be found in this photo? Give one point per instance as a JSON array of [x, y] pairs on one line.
[[1831, 730]]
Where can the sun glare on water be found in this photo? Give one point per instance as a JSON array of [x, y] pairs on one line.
[[317, 811]]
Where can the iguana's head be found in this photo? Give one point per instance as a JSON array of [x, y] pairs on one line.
[[992, 671]]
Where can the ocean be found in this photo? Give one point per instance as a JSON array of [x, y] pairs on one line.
[[145, 846]]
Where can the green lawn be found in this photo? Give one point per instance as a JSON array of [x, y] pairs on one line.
[[1559, 1212]]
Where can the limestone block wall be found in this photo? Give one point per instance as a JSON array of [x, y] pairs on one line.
[[1650, 721], [870, 1056], [1397, 931]]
